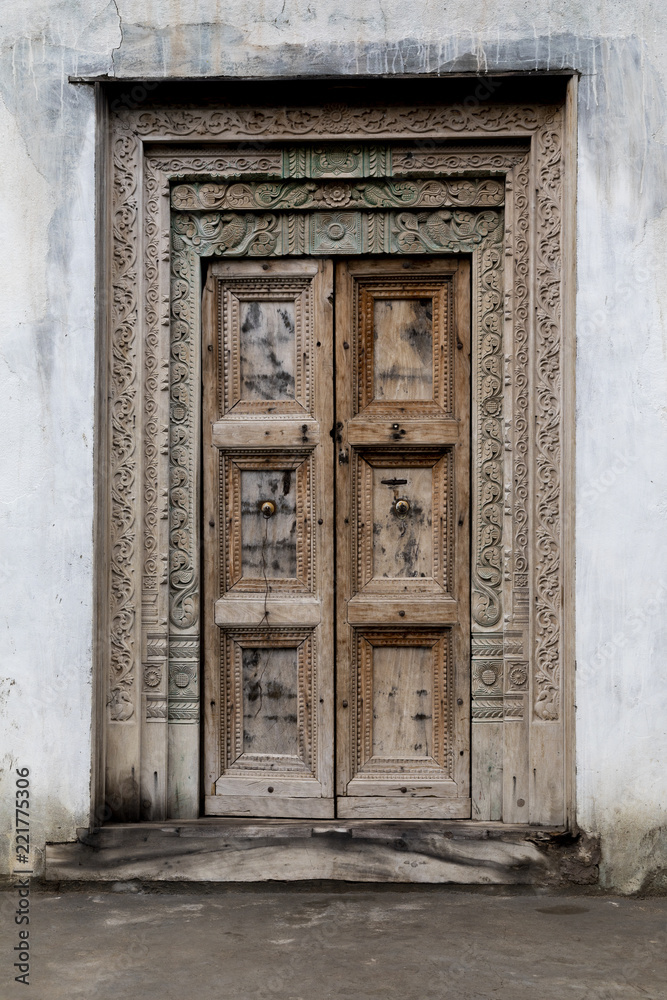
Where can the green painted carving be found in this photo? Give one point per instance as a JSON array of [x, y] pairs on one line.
[[252, 234], [339, 160]]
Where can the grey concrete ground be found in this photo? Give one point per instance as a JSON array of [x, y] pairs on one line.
[[392, 945]]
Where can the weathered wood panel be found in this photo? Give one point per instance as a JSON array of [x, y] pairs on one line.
[[267, 350], [403, 348], [268, 544], [235, 434], [267, 611], [402, 702], [270, 679], [232, 850], [380, 610], [402, 546]]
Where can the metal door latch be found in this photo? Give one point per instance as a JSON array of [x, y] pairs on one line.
[[268, 508]]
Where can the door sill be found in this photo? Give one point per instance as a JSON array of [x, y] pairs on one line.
[[235, 849]]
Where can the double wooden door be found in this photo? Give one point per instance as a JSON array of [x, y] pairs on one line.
[[336, 435]]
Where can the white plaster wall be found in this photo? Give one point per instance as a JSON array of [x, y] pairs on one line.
[[46, 350]]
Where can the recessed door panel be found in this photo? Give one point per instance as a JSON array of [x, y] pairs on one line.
[[267, 350], [402, 348], [267, 547], [270, 696]]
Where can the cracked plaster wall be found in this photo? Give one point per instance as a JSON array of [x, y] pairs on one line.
[[47, 356]]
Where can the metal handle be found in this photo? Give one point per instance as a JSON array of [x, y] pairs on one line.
[[268, 508]]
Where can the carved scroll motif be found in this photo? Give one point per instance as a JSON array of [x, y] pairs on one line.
[[184, 584], [123, 444], [335, 120], [487, 424], [521, 317], [151, 361], [251, 234], [475, 192], [548, 436], [409, 160]]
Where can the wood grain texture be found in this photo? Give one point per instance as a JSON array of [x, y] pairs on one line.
[[402, 348], [267, 610], [487, 771], [270, 681], [363, 432], [301, 799], [268, 544], [236, 434], [383, 806], [382, 610], [267, 349], [238, 850]]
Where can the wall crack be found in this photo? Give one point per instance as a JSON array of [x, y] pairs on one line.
[[120, 29]]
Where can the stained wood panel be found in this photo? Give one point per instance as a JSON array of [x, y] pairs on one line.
[[267, 350], [402, 411], [268, 466], [270, 696], [402, 348]]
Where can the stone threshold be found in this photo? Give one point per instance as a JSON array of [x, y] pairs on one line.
[[282, 850]]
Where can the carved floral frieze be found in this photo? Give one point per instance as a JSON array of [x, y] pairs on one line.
[[240, 196]]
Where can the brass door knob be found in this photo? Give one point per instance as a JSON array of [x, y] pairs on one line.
[[268, 508], [402, 508]]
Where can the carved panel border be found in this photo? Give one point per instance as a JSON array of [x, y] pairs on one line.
[[437, 764], [440, 580], [235, 758], [232, 467], [154, 362]]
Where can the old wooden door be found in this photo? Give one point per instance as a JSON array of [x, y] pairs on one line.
[[363, 497]]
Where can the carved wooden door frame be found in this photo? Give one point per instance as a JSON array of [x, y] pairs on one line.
[[184, 184]]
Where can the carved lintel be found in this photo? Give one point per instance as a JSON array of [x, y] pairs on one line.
[[294, 195]]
